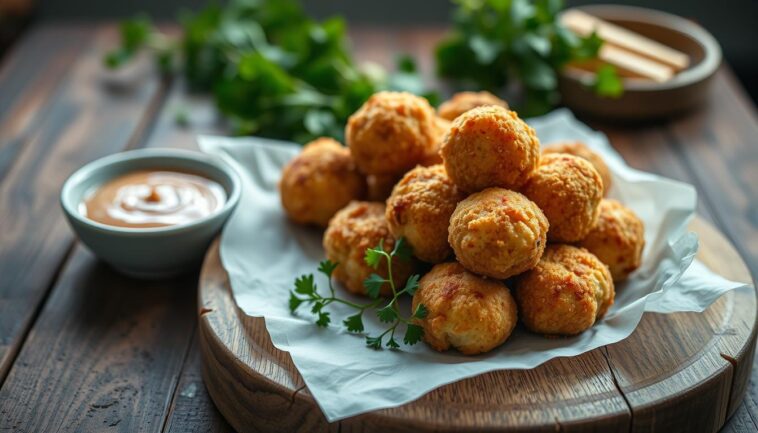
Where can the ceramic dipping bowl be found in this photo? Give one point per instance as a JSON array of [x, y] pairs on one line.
[[644, 100], [156, 252]]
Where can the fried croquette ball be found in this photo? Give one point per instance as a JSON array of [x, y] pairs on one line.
[[617, 239], [565, 293], [490, 147], [568, 189], [419, 209], [319, 181], [498, 233], [468, 312], [380, 186], [357, 227], [391, 133], [577, 148], [461, 102]]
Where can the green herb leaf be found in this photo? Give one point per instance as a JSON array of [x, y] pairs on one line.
[[354, 323], [323, 319], [135, 32], [392, 344], [304, 285], [373, 285], [317, 307], [387, 314], [374, 342], [499, 44], [273, 70], [402, 250], [608, 83], [413, 334], [412, 284], [421, 312], [294, 302], [327, 267], [374, 255]]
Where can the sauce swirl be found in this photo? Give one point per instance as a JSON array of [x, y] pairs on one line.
[[144, 199]]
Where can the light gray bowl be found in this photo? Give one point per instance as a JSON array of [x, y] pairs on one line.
[[158, 252]]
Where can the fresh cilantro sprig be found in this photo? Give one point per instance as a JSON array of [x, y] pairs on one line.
[[496, 43], [273, 70], [306, 292]]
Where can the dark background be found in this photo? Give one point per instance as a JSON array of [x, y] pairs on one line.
[[733, 22]]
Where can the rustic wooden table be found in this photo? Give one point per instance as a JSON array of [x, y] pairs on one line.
[[85, 349]]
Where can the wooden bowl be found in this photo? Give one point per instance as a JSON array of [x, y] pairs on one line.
[[643, 99]]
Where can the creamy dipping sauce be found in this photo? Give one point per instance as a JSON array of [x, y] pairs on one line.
[[153, 198]]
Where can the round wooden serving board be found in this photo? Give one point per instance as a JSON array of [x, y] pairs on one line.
[[677, 372]]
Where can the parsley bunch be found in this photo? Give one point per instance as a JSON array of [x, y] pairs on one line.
[[306, 292], [273, 71], [496, 43]]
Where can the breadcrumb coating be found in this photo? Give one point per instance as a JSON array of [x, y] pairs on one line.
[[565, 293], [498, 233], [568, 189], [617, 239], [465, 311], [462, 102], [319, 181], [357, 227], [577, 148], [490, 147], [419, 209], [392, 132]]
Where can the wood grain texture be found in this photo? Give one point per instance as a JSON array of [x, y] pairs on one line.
[[191, 408], [670, 380], [745, 418], [719, 146], [169, 399], [29, 80], [93, 115], [686, 377], [103, 355]]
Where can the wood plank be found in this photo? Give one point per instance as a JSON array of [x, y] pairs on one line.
[[103, 355], [719, 145], [93, 116], [745, 419], [192, 408], [29, 78]]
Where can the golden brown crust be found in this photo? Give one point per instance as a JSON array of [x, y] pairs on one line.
[[465, 311], [319, 181], [617, 239], [391, 133], [565, 293], [462, 102], [577, 148], [357, 227], [490, 147], [568, 189], [498, 233], [419, 209]]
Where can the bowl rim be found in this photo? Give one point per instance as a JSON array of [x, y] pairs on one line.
[[701, 71], [86, 171]]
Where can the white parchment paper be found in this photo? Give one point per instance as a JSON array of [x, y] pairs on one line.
[[263, 253]]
